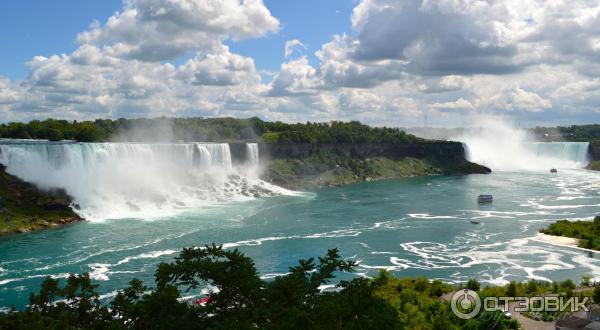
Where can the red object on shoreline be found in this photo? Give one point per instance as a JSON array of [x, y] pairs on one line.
[[200, 301]]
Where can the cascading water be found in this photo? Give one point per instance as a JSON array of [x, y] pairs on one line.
[[531, 156], [252, 153], [575, 152], [502, 147], [140, 180]]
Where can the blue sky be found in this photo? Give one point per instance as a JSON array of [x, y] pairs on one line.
[[383, 62], [312, 22], [31, 28], [34, 27]]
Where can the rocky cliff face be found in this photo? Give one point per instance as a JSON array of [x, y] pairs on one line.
[[300, 165], [449, 150], [23, 207], [594, 151]]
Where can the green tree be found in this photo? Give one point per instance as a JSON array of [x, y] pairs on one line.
[[568, 285], [244, 301], [586, 280], [596, 295], [512, 289], [532, 286], [473, 284]]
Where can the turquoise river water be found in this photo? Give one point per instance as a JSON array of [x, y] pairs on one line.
[[412, 227]]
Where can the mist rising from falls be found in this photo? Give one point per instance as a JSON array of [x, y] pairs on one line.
[[138, 180], [500, 146]]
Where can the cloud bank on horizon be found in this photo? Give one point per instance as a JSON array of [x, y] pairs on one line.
[[405, 63]]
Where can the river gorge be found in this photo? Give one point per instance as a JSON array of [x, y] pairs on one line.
[[145, 202]]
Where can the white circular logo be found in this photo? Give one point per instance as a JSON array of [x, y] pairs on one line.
[[464, 301]]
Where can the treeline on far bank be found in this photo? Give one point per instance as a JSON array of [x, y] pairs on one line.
[[203, 129], [574, 133]]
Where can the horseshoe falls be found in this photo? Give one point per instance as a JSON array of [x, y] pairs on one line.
[[532, 156], [136, 180], [502, 147]]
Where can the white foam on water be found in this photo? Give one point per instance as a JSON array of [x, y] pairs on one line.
[[335, 233], [19, 279], [536, 205], [272, 275], [429, 216], [254, 242], [147, 255], [571, 198], [99, 271], [108, 295], [507, 258], [74, 258], [365, 245], [327, 287]]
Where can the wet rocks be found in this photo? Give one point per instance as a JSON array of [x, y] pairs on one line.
[[24, 207]]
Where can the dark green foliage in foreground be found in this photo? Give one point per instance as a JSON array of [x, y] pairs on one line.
[[473, 284], [203, 129], [587, 231], [596, 294], [244, 301]]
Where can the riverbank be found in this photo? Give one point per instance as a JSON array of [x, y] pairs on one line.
[[307, 166], [24, 208], [557, 240], [593, 165], [296, 166], [583, 234]]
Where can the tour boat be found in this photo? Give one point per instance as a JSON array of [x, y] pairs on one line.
[[485, 198]]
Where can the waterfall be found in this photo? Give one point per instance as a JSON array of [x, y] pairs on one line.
[[575, 152], [536, 156], [499, 145], [139, 180], [252, 153], [215, 154]]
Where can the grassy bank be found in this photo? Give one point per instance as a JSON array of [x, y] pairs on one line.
[[588, 232], [329, 169], [594, 165], [317, 172], [24, 208]]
